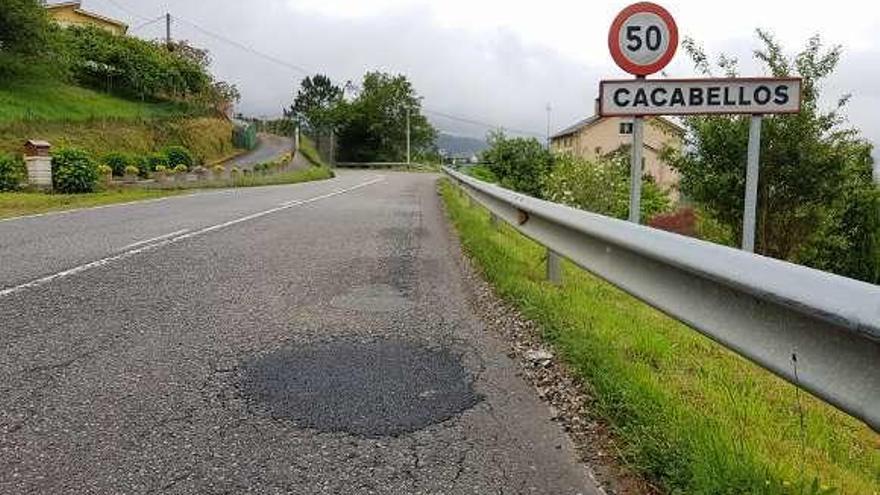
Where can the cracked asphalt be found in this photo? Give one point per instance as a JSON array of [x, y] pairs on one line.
[[313, 339]]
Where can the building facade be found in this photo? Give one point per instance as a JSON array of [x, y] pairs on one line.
[[71, 14], [596, 136]]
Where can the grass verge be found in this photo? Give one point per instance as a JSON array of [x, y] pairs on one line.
[[15, 204], [310, 151], [253, 180], [691, 416]]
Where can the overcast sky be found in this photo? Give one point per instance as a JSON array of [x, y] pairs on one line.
[[497, 62]]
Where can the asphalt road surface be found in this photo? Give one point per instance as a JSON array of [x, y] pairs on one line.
[[269, 148], [311, 338]]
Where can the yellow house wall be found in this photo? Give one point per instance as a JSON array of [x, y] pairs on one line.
[[604, 137], [68, 16]]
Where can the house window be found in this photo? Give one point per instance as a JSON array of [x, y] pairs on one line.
[[626, 127]]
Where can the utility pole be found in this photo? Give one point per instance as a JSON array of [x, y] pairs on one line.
[[407, 136], [168, 30], [548, 124]]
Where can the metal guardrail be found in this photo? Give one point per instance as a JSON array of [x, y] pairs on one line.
[[816, 330], [372, 164]]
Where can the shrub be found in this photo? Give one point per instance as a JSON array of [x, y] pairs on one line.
[[131, 171], [179, 155], [104, 170], [682, 221], [235, 171], [218, 170], [601, 186], [73, 171], [156, 159], [12, 172], [161, 169], [117, 162], [181, 169], [520, 164]]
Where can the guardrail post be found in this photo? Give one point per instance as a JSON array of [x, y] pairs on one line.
[[554, 267]]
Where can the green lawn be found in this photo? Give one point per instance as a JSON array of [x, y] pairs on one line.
[[55, 101], [689, 415]]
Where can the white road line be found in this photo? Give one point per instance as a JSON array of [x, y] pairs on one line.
[[154, 239], [171, 240]]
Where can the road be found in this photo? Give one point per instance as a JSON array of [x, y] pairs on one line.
[[311, 338], [269, 148]]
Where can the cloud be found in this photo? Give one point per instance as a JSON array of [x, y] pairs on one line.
[[478, 60]]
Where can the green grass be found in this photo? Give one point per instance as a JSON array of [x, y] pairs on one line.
[[481, 172], [310, 151], [689, 415], [55, 101], [14, 204], [254, 180]]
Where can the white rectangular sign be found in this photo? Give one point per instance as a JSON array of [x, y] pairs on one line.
[[699, 96]]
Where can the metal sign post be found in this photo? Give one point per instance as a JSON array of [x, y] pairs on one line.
[[751, 203], [635, 169], [642, 40]]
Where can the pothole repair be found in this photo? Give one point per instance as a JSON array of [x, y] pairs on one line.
[[370, 389], [375, 298]]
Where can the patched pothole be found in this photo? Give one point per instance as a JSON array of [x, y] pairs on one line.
[[371, 389], [375, 297]]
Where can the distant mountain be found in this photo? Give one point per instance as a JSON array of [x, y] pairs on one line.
[[460, 146]]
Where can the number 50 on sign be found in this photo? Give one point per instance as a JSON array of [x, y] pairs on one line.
[[643, 38]]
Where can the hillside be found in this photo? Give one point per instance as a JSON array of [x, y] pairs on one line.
[[56, 101], [460, 145], [67, 115]]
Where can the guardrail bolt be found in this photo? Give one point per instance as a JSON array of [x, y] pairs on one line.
[[554, 267]]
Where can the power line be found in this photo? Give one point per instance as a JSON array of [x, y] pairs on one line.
[[145, 24], [247, 48], [302, 70], [487, 125], [126, 9]]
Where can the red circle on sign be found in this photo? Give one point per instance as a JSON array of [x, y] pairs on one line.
[[613, 45]]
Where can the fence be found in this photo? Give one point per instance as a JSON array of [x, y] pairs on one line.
[[817, 330]]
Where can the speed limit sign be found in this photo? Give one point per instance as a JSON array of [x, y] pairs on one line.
[[643, 38]]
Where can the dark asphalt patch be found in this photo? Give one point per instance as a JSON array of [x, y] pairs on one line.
[[369, 389]]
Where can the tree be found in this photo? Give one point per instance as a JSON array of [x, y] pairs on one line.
[[520, 164], [317, 104], [27, 39], [374, 126], [816, 202]]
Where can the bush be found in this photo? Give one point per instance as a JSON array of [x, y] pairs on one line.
[[12, 173], [117, 162], [520, 164], [179, 155], [73, 171], [131, 171], [683, 221], [601, 186], [104, 170], [180, 169], [149, 163]]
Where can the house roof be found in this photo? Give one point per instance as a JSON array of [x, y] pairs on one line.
[[76, 5], [587, 122]]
